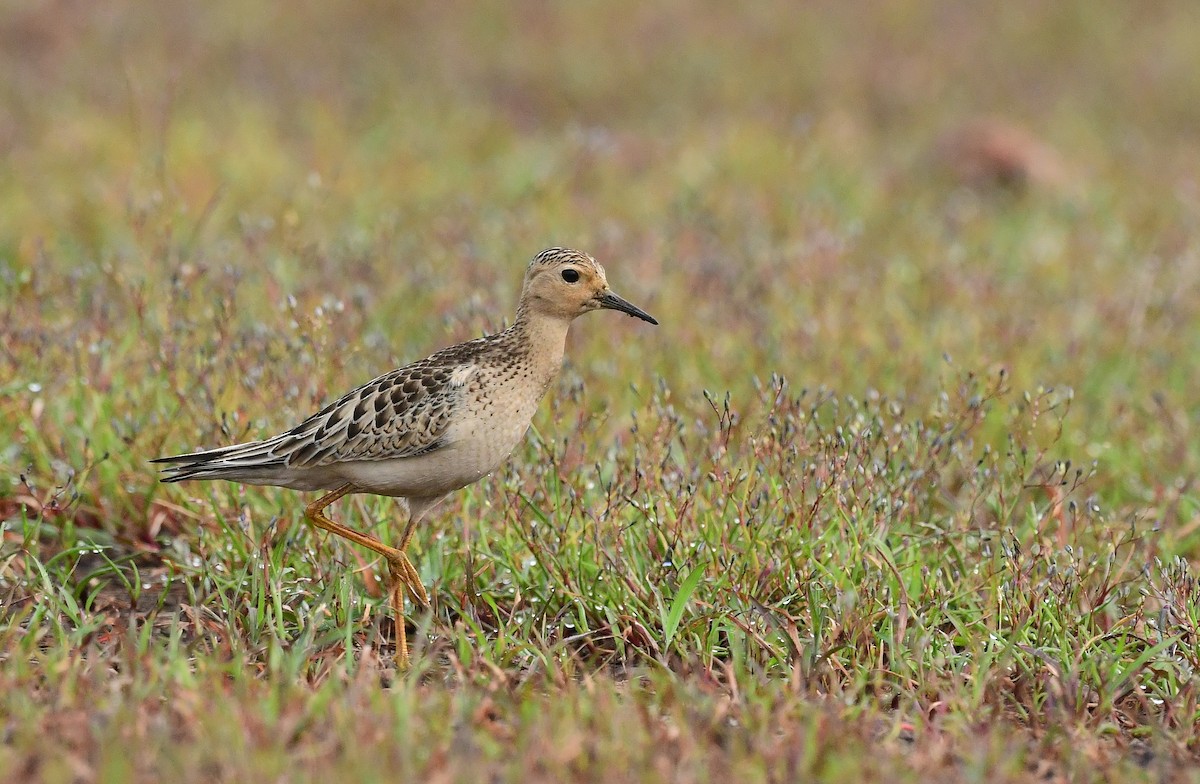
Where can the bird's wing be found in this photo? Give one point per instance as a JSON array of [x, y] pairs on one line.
[[404, 413]]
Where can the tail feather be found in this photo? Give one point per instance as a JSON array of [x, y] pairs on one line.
[[229, 462], [235, 451], [252, 476]]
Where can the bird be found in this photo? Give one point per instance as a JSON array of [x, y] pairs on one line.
[[427, 429]]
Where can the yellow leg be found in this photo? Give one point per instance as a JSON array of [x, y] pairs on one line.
[[402, 575]]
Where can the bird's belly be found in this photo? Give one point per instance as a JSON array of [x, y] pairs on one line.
[[465, 460]]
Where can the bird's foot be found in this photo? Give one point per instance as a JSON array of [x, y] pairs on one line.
[[402, 573]]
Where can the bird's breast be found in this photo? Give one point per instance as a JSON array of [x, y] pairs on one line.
[[494, 415]]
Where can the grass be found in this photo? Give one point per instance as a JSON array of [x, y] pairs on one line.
[[902, 489]]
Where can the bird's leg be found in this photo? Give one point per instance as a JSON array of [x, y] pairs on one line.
[[403, 568], [401, 573]]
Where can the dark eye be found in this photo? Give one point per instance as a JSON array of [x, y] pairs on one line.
[[570, 275]]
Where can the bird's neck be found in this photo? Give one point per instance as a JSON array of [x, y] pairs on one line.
[[544, 337]]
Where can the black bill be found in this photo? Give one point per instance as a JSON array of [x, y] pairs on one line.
[[613, 302]]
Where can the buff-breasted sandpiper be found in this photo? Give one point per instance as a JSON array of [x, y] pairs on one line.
[[429, 428]]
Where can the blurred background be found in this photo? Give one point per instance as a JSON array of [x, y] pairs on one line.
[[854, 195], [216, 216]]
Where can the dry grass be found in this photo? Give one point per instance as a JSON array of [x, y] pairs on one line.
[[902, 489]]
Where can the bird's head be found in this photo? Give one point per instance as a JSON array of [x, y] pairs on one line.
[[564, 284]]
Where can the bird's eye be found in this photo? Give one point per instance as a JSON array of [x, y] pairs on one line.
[[570, 275]]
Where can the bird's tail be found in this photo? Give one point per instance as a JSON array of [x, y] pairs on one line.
[[254, 463]]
